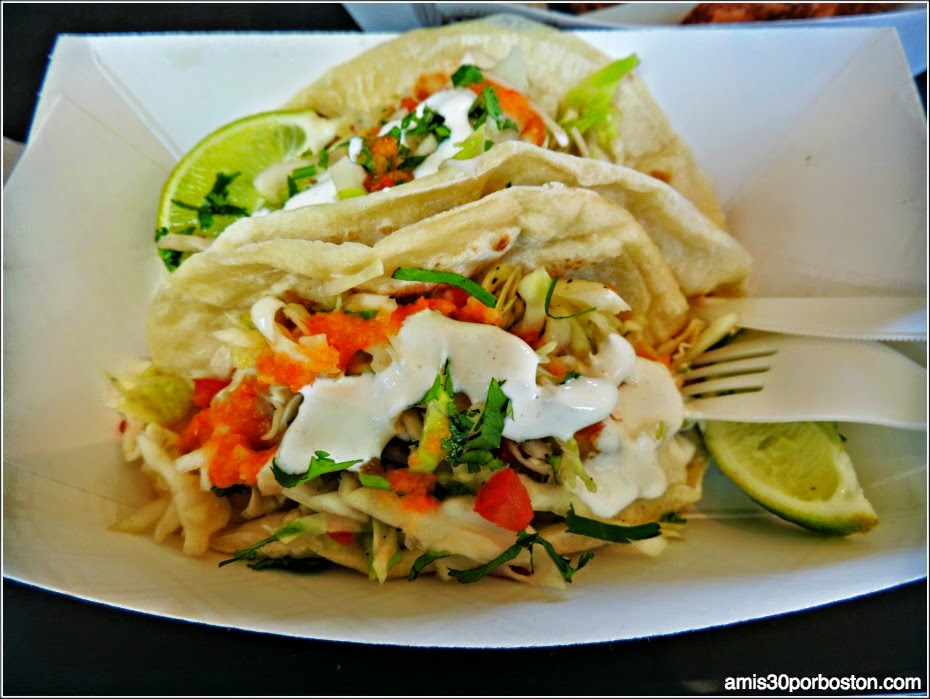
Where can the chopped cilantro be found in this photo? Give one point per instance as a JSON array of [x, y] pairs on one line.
[[171, 258], [300, 173], [216, 202], [467, 74], [555, 280], [439, 277], [487, 107], [411, 162], [286, 533], [428, 122], [605, 531], [475, 434], [451, 489], [423, 561], [491, 423], [320, 463], [525, 540], [309, 564]]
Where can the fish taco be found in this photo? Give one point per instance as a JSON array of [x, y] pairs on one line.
[[409, 108], [489, 390]]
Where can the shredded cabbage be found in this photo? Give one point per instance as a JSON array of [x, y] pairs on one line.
[[589, 105], [153, 396]]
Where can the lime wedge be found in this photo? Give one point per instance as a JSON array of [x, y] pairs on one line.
[[247, 147], [800, 471]]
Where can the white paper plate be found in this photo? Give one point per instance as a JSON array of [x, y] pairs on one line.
[[817, 146]]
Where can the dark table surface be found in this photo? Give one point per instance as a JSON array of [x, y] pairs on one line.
[[58, 645]]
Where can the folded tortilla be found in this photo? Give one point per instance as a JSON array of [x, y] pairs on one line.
[[363, 88], [703, 257], [572, 232]]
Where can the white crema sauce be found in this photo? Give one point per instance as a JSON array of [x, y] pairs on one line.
[[451, 105], [353, 417], [637, 440]]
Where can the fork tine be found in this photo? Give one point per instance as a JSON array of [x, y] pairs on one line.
[[741, 382], [738, 349], [750, 365]]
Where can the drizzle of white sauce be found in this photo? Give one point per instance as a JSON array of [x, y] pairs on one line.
[[353, 417], [633, 443], [451, 105]]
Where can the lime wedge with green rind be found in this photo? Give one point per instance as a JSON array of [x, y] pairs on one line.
[[246, 146], [800, 471]]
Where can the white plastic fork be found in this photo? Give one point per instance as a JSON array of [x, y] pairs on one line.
[[766, 377]]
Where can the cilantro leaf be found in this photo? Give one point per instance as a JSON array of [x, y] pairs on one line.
[[297, 174], [438, 277], [244, 554], [466, 74], [442, 387], [423, 561], [525, 540], [548, 301], [309, 564], [491, 423], [605, 531], [171, 258], [320, 463], [285, 534], [424, 123], [487, 107], [476, 434]]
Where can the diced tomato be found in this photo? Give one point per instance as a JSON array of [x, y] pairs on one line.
[[409, 103], [386, 180], [343, 538], [532, 338], [505, 501], [205, 389]]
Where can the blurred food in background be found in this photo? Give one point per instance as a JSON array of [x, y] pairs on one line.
[[707, 12]]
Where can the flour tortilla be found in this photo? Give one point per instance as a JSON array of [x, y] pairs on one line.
[[363, 88], [573, 233], [703, 257]]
